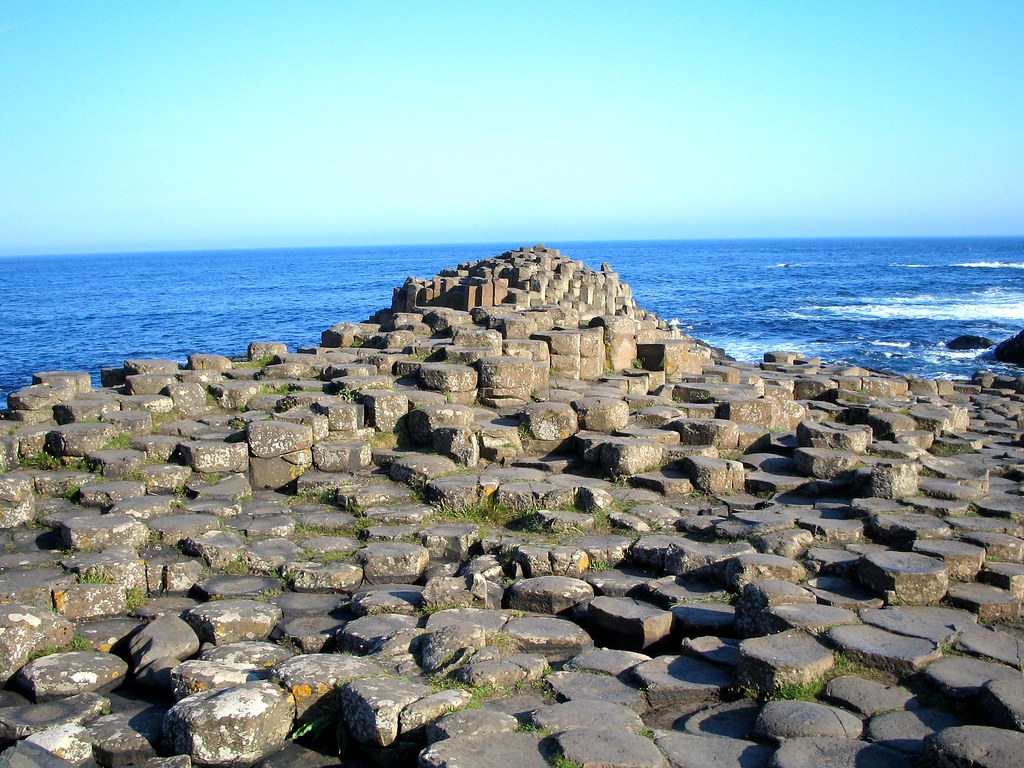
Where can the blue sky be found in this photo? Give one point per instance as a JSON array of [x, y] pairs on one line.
[[154, 125]]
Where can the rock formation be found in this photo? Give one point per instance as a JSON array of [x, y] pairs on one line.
[[513, 517], [969, 341], [1011, 350]]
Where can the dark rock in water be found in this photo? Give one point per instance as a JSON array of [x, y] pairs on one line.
[[968, 341], [1011, 350]]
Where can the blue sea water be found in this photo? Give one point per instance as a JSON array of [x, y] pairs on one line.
[[881, 303]]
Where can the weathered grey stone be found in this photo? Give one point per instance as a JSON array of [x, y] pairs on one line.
[[974, 746], [906, 731], [686, 750], [821, 751], [17, 504], [393, 562], [835, 437], [78, 440], [412, 721], [752, 617], [424, 420], [73, 672], [962, 560], [585, 687], [25, 630], [256, 653], [867, 697], [548, 594], [781, 720], [269, 439], [26, 754], [988, 602], [322, 577], [231, 726], [312, 679], [214, 456], [372, 707], [749, 567], [935, 623], [962, 678], [415, 469], [93, 532], [608, 662], [628, 624], [386, 598], [769, 663], [555, 638], [1002, 704], [550, 421], [813, 619], [67, 744], [682, 682], [368, 633], [699, 560], [198, 675], [883, 650], [228, 621], [477, 749], [905, 576], [586, 713], [19, 721], [609, 746], [341, 455]]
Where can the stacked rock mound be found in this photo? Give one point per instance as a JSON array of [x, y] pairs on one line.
[[520, 280], [524, 535]]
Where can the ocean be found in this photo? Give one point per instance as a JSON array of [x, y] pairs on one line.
[[887, 304]]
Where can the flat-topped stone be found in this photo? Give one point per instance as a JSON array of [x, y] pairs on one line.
[[609, 746], [586, 713], [779, 720], [682, 682], [905, 576], [818, 751], [228, 621], [935, 623], [975, 745], [556, 639], [898, 654], [626, 623], [866, 697], [960, 677], [906, 731], [586, 688], [686, 750], [66, 674], [769, 663]]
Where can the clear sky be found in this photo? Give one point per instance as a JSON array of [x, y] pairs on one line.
[[164, 125]]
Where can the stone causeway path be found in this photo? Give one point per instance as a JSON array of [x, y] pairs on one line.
[[512, 520]]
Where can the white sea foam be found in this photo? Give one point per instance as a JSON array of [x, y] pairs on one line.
[[897, 344], [992, 264], [992, 306]]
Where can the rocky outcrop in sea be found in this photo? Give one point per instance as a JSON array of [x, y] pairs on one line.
[[512, 519]]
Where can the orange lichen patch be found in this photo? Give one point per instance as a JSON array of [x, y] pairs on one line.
[[300, 692], [303, 691]]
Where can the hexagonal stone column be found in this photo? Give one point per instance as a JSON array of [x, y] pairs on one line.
[[904, 576], [393, 562], [232, 726], [769, 663]]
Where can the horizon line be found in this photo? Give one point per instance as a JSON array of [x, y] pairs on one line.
[[469, 243]]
